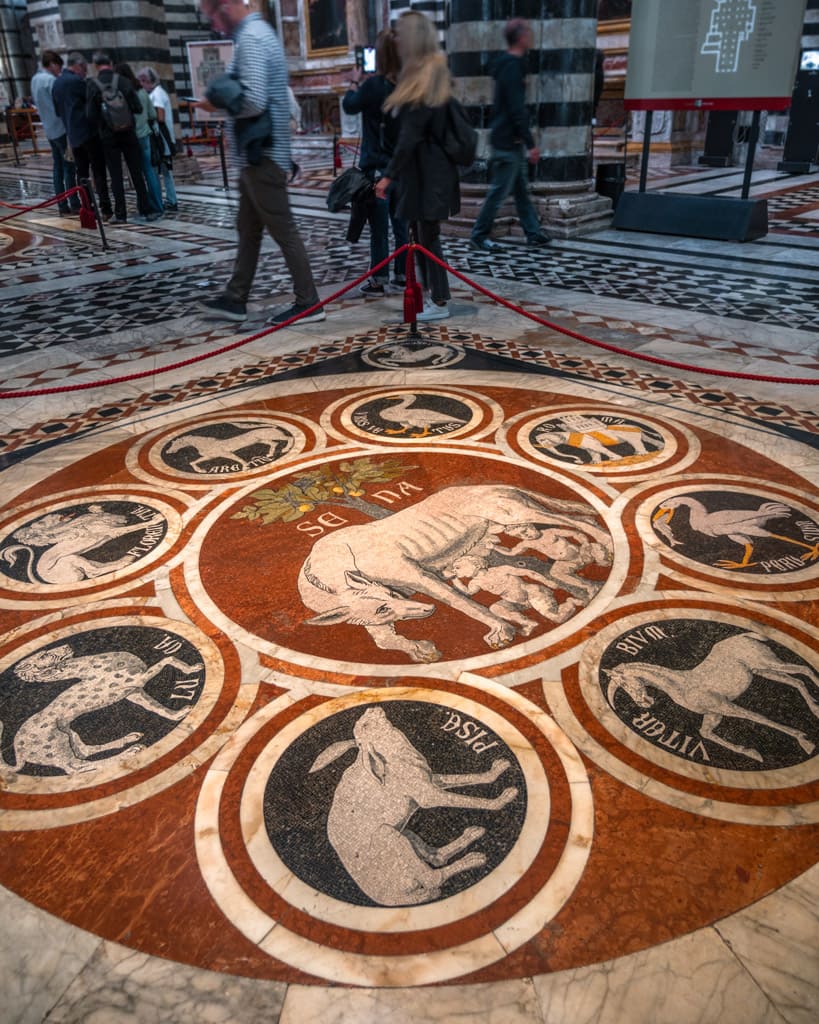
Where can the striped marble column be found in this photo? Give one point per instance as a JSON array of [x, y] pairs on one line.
[[435, 10], [133, 31], [560, 73], [560, 88]]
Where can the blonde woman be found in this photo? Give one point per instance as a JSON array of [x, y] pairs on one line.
[[426, 179]]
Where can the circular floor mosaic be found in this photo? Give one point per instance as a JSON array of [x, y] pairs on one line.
[[393, 685]]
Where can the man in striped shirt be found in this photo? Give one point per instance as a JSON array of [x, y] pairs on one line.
[[259, 64]]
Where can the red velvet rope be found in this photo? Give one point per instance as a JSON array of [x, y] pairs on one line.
[[205, 355], [613, 348], [409, 304], [78, 189]]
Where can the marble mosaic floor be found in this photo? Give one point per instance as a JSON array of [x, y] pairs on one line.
[[348, 676]]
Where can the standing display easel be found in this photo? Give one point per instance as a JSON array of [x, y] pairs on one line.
[[741, 55]]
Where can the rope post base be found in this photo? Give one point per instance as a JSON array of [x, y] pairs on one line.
[[413, 295]]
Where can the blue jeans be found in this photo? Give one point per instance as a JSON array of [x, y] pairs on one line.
[[382, 214], [508, 172], [170, 190], [64, 175], [151, 180]]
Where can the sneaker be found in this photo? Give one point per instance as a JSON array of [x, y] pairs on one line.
[[117, 220], [399, 281], [432, 311], [372, 289], [294, 310], [171, 208], [64, 211], [486, 245], [535, 241], [224, 308]]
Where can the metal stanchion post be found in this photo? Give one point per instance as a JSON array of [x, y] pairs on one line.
[[225, 186], [86, 184], [13, 136]]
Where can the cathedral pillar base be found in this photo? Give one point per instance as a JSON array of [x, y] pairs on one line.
[[566, 209]]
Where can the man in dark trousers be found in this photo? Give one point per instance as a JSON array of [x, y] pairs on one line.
[[261, 131], [117, 144], [511, 143], [64, 174], [68, 94]]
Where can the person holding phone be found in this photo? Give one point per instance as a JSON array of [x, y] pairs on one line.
[[378, 136]]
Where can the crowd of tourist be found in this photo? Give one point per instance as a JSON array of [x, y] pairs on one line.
[[96, 122]]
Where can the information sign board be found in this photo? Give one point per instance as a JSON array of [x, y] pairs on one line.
[[207, 59], [713, 54]]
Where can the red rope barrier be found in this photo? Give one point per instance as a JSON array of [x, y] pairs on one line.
[[205, 355], [78, 189], [605, 345], [410, 303]]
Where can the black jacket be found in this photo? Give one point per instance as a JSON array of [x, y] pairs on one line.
[[93, 102], [68, 94], [377, 145], [427, 179], [509, 126]]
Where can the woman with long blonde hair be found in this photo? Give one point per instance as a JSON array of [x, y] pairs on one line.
[[426, 179]]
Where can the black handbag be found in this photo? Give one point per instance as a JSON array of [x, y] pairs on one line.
[[349, 186]]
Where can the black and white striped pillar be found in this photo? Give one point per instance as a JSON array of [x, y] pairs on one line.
[[560, 73], [132, 31]]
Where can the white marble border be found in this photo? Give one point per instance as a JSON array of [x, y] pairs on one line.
[[396, 919], [24, 820], [369, 970], [476, 402], [641, 466]]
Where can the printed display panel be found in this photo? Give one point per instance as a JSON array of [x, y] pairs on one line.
[[718, 54]]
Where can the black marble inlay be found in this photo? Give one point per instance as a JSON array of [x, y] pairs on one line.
[[79, 542], [712, 693], [738, 532], [357, 763], [120, 688]]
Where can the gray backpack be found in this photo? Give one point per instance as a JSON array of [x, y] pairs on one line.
[[114, 106]]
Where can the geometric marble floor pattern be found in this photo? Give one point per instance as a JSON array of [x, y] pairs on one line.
[[402, 668]]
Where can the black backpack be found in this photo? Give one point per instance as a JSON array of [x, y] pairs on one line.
[[114, 106], [460, 141]]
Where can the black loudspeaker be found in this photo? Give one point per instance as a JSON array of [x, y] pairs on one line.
[[719, 138], [611, 181], [802, 140], [731, 220]]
